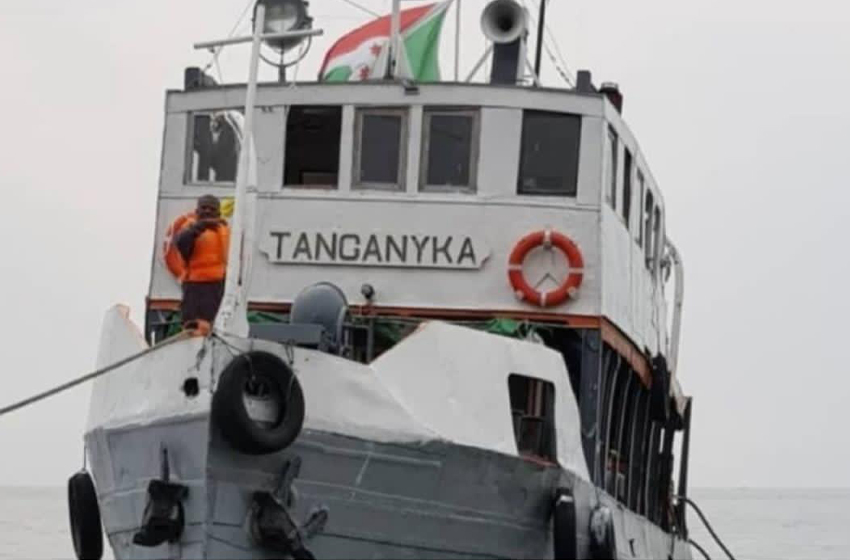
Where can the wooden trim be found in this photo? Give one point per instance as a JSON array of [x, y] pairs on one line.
[[626, 348], [574, 321], [610, 333]]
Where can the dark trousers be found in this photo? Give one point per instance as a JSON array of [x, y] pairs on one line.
[[201, 300]]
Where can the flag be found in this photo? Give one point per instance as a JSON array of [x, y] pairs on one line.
[[362, 53]]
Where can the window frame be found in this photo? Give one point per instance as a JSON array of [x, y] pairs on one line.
[[522, 191], [641, 179], [628, 171], [312, 187], [188, 159], [613, 141], [474, 149], [404, 139]]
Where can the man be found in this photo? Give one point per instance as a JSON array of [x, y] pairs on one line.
[[202, 241]]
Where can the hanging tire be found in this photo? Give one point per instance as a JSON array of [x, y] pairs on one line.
[[258, 405], [603, 537], [564, 533], [85, 517]]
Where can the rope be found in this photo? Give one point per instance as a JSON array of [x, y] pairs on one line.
[[93, 375], [702, 551], [362, 8], [707, 526]]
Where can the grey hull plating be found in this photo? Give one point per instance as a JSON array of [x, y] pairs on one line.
[[435, 500]]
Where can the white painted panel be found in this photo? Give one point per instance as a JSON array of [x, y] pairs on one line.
[[501, 136], [269, 135], [454, 382], [590, 169], [383, 94], [175, 140], [414, 148], [498, 225]]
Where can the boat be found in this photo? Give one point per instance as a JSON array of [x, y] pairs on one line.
[[450, 326]]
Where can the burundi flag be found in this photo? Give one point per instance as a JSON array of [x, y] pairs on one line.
[[362, 53]]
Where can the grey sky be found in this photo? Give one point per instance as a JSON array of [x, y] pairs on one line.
[[738, 105]]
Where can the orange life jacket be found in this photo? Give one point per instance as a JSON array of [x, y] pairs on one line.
[[208, 262]]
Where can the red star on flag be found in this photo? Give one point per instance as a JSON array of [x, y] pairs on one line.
[[375, 49], [364, 72]]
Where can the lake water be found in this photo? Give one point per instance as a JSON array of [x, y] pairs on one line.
[[754, 524]]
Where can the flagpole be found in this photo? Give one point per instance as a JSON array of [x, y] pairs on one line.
[[457, 41], [395, 33]]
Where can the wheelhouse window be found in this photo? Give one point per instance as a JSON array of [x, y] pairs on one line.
[[642, 193], [549, 153], [449, 150], [649, 240], [533, 411], [215, 137], [312, 146], [627, 187], [380, 148], [611, 191]]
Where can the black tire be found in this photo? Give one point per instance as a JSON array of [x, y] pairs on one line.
[[85, 517], [230, 414], [564, 535]]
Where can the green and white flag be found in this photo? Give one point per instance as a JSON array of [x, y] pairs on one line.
[[362, 54]]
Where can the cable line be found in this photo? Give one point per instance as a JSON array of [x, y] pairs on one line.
[[93, 375], [707, 525], [362, 8]]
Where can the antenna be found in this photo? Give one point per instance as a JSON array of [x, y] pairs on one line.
[[279, 32], [541, 28]]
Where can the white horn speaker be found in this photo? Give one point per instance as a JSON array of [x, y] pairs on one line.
[[504, 21]]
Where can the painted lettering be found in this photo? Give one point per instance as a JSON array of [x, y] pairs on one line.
[[372, 250], [467, 251], [420, 246], [400, 250], [302, 247], [346, 240], [442, 250], [280, 237], [329, 248]]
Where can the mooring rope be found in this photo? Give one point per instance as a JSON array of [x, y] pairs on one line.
[[707, 526], [93, 375]]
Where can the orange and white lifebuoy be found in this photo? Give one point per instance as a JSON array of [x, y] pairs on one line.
[[547, 239], [171, 256]]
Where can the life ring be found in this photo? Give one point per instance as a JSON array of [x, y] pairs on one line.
[[567, 289], [173, 259], [258, 404], [85, 517]]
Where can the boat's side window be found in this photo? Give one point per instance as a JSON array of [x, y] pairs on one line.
[[533, 411], [312, 146], [627, 187], [549, 154], [449, 150], [649, 242], [213, 153], [380, 149], [611, 168], [657, 239], [642, 193]]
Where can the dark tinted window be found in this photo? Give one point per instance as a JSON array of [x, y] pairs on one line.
[[449, 149], [312, 146], [641, 194], [533, 413], [612, 168], [550, 150], [214, 154], [649, 242], [627, 187], [380, 148]]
